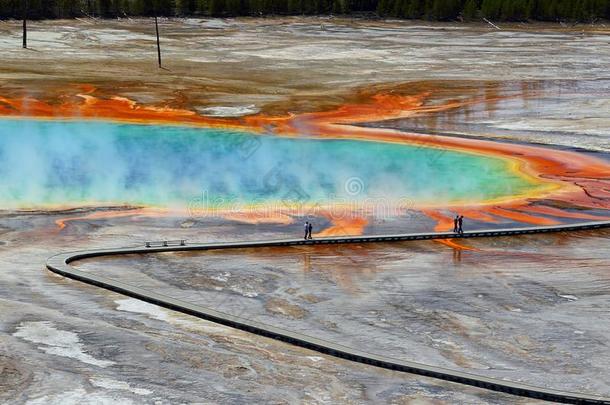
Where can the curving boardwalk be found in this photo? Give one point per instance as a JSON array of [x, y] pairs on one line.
[[60, 264]]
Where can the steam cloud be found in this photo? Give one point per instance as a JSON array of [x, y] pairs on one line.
[[70, 163]]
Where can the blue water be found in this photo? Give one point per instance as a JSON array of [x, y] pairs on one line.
[[46, 163]]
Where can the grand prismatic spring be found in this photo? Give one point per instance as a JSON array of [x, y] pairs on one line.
[[258, 125], [165, 165]]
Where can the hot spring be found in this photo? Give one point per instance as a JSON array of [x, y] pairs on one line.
[[71, 163]]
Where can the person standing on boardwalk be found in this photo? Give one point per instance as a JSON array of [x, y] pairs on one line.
[[306, 229], [460, 223], [455, 224], [309, 229]]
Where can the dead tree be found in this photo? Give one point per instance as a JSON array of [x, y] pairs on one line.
[[25, 24], [158, 42]]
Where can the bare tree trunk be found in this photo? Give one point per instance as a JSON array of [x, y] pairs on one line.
[[158, 43], [25, 24]]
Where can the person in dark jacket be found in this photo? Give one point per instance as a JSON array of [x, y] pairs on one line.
[[460, 223], [309, 229], [455, 224]]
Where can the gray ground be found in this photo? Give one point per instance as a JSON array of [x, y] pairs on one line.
[[62, 340], [528, 309], [239, 66]]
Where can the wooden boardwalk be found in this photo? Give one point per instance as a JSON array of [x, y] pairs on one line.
[[60, 264]]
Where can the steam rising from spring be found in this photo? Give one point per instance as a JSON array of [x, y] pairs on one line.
[[71, 163]]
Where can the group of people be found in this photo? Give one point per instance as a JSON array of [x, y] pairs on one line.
[[308, 229], [457, 224]]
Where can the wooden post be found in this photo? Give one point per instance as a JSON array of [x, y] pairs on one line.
[[158, 43], [25, 24]]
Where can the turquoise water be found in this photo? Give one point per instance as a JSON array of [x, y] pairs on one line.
[[46, 163]]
